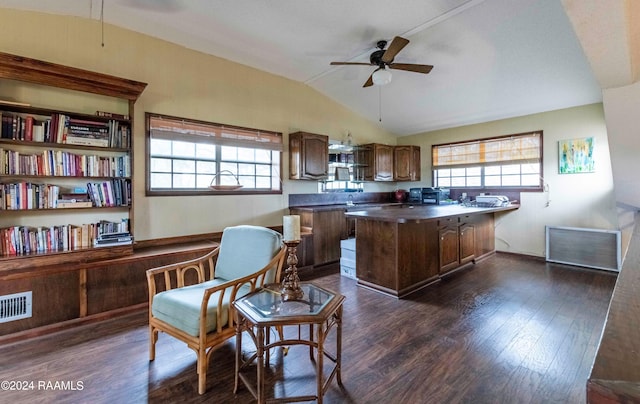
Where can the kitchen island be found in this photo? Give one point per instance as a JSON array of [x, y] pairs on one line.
[[401, 249]]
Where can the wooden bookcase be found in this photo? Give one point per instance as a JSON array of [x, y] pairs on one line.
[[53, 162]]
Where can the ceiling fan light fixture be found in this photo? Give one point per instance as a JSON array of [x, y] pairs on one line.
[[381, 77]]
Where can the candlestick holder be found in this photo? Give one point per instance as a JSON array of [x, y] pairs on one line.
[[290, 289]]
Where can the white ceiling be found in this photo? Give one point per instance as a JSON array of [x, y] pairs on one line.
[[492, 59]]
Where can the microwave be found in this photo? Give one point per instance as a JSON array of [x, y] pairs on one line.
[[428, 196]]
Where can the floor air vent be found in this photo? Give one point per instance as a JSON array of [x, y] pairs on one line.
[[590, 248], [15, 307]]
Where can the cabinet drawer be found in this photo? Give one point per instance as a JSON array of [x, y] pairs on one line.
[[448, 221]]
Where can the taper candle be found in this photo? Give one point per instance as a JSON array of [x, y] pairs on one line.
[[291, 227]]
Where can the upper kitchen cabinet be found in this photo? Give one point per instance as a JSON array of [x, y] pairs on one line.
[[380, 162], [406, 163], [374, 162], [308, 156]]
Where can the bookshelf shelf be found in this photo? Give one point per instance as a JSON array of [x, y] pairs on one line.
[[70, 177], [4, 143], [46, 153]]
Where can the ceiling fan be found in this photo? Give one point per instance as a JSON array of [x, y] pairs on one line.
[[384, 59]]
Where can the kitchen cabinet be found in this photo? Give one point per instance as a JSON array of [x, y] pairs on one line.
[[396, 258], [449, 244], [467, 242], [380, 162], [457, 242], [308, 156], [374, 162], [327, 228], [484, 233], [406, 163], [401, 250]]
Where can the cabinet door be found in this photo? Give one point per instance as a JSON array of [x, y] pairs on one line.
[[449, 248], [415, 171], [383, 156], [328, 230], [363, 161], [467, 242], [406, 163], [484, 228], [308, 156]]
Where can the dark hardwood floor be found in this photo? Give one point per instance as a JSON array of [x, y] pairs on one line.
[[508, 330]]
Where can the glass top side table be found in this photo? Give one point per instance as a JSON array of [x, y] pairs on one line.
[[256, 312]]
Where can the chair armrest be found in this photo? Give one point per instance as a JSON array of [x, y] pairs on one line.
[[179, 269], [255, 280]]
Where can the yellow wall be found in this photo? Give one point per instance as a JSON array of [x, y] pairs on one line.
[[190, 84], [186, 83], [575, 200]]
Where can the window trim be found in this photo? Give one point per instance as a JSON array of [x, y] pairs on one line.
[[270, 144], [537, 188]]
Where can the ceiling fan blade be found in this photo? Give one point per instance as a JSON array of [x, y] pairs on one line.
[[396, 46], [349, 63], [369, 81], [411, 67]]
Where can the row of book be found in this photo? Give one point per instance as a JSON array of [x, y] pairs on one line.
[[26, 195], [115, 192], [22, 240], [62, 163], [61, 128]]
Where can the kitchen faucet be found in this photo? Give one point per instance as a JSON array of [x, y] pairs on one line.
[[350, 200]]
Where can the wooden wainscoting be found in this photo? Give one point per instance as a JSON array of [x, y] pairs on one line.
[[67, 294]]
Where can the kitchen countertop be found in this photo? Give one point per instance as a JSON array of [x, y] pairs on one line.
[[401, 213], [349, 208]]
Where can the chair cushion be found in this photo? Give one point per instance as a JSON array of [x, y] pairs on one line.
[[181, 307], [246, 249]]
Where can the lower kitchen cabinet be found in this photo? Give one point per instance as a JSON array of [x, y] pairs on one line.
[[449, 245], [327, 228], [399, 251], [457, 238], [396, 258], [467, 241]]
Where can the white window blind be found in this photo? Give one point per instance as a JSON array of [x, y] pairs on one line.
[[521, 148], [201, 132], [513, 161]]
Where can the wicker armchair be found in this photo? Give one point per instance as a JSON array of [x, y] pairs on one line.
[[200, 314]]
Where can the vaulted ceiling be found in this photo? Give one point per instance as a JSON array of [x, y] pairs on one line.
[[492, 59]]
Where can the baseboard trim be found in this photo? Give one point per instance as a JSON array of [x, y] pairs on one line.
[[65, 325]]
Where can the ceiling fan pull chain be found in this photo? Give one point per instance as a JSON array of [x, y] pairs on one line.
[[380, 103], [102, 22]]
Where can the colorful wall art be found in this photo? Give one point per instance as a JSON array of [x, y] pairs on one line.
[[576, 156]]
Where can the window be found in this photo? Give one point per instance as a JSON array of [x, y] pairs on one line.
[[192, 157], [513, 161]]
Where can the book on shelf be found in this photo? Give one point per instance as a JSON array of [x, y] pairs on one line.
[[70, 196], [112, 115], [86, 141], [115, 238], [73, 204], [95, 244], [113, 235], [28, 129]]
